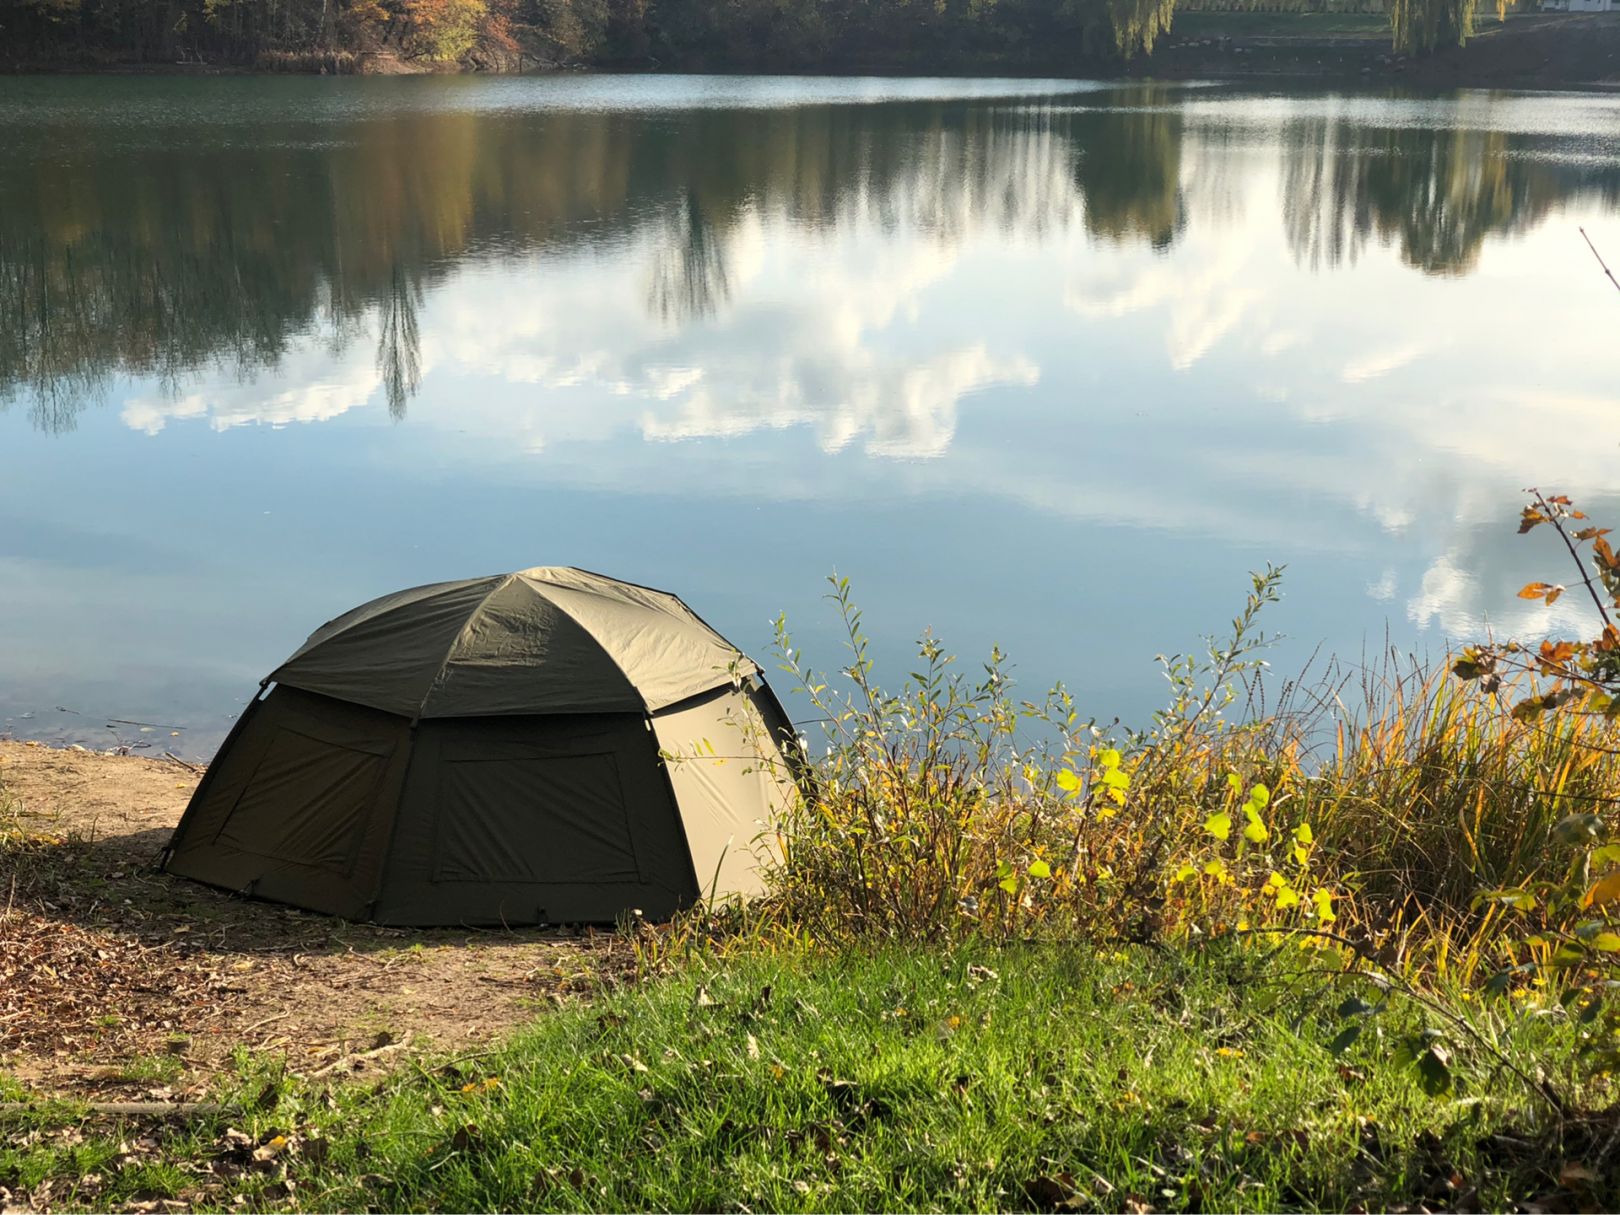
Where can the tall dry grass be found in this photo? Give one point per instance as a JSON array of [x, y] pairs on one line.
[[1370, 805]]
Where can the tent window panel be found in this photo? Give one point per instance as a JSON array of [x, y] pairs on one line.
[[557, 819], [307, 802]]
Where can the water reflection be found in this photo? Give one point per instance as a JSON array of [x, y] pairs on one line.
[[1035, 370], [399, 345], [1128, 170], [1436, 193], [161, 263], [689, 280]]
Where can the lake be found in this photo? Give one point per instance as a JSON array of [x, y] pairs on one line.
[[1043, 364]]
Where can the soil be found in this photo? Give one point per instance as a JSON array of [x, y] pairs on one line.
[[119, 982]]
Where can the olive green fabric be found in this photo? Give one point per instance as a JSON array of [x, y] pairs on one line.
[[531, 820], [298, 805], [472, 649], [488, 752], [518, 820]]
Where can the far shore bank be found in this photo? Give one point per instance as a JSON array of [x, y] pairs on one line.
[[1578, 51]]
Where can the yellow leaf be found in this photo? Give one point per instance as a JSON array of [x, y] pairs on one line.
[[1068, 781], [1287, 898], [1323, 898], [1219, 825], [1185, 873], [1256, 831], [1302, 833], [1215, 868], [1605, 890], [1109, 758]]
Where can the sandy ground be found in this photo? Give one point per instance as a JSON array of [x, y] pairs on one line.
[[118, 980]]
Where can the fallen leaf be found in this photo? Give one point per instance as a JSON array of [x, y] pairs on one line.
[[1575, 1176]]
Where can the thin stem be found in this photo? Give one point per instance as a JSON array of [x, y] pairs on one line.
[[1600, 260], [1556, 519]]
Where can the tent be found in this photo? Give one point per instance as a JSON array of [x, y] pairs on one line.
[[548, 746]]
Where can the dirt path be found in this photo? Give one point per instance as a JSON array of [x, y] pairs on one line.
[[116, 980]]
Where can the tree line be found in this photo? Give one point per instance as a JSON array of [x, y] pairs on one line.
[[342, 35]]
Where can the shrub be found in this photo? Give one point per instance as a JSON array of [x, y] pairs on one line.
[[1369, 808]]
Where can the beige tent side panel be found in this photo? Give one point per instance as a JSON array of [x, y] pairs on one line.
[[731, 782]]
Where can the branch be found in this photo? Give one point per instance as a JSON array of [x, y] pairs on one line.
[[1556, 519], [1600, 261]]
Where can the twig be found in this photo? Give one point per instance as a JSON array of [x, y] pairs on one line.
[[139, 1109], [1600, 261], [1557, 521], [173, 758], [350, 1060], [257, 1024]]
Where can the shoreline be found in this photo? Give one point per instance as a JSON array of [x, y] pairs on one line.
[[1576, 52]]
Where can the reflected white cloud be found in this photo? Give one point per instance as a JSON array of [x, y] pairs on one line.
[[310, 386], [1202, 306], [1375, 363]]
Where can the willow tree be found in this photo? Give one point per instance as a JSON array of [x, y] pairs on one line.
[[1422, 25], [1138, 23]]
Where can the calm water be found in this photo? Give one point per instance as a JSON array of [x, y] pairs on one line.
[[1042, 364]]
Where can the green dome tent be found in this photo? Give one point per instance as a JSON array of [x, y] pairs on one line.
[[549, 746]]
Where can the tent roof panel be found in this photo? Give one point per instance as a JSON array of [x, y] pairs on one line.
[[543, 640]]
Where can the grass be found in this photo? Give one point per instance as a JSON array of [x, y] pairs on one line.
[[901, 1079], [1293, 25]]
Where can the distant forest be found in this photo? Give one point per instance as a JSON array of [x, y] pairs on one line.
[[511, 35]]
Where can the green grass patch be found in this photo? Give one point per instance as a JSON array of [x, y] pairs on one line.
[[1020, 1078], [1292, 25]]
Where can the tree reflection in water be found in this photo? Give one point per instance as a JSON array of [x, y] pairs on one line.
[[188, 250]]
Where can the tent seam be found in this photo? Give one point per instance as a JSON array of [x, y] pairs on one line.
[[450, 650], [646, 710], [728, 681]]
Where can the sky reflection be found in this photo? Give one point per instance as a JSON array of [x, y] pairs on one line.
[[1050, 373]]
